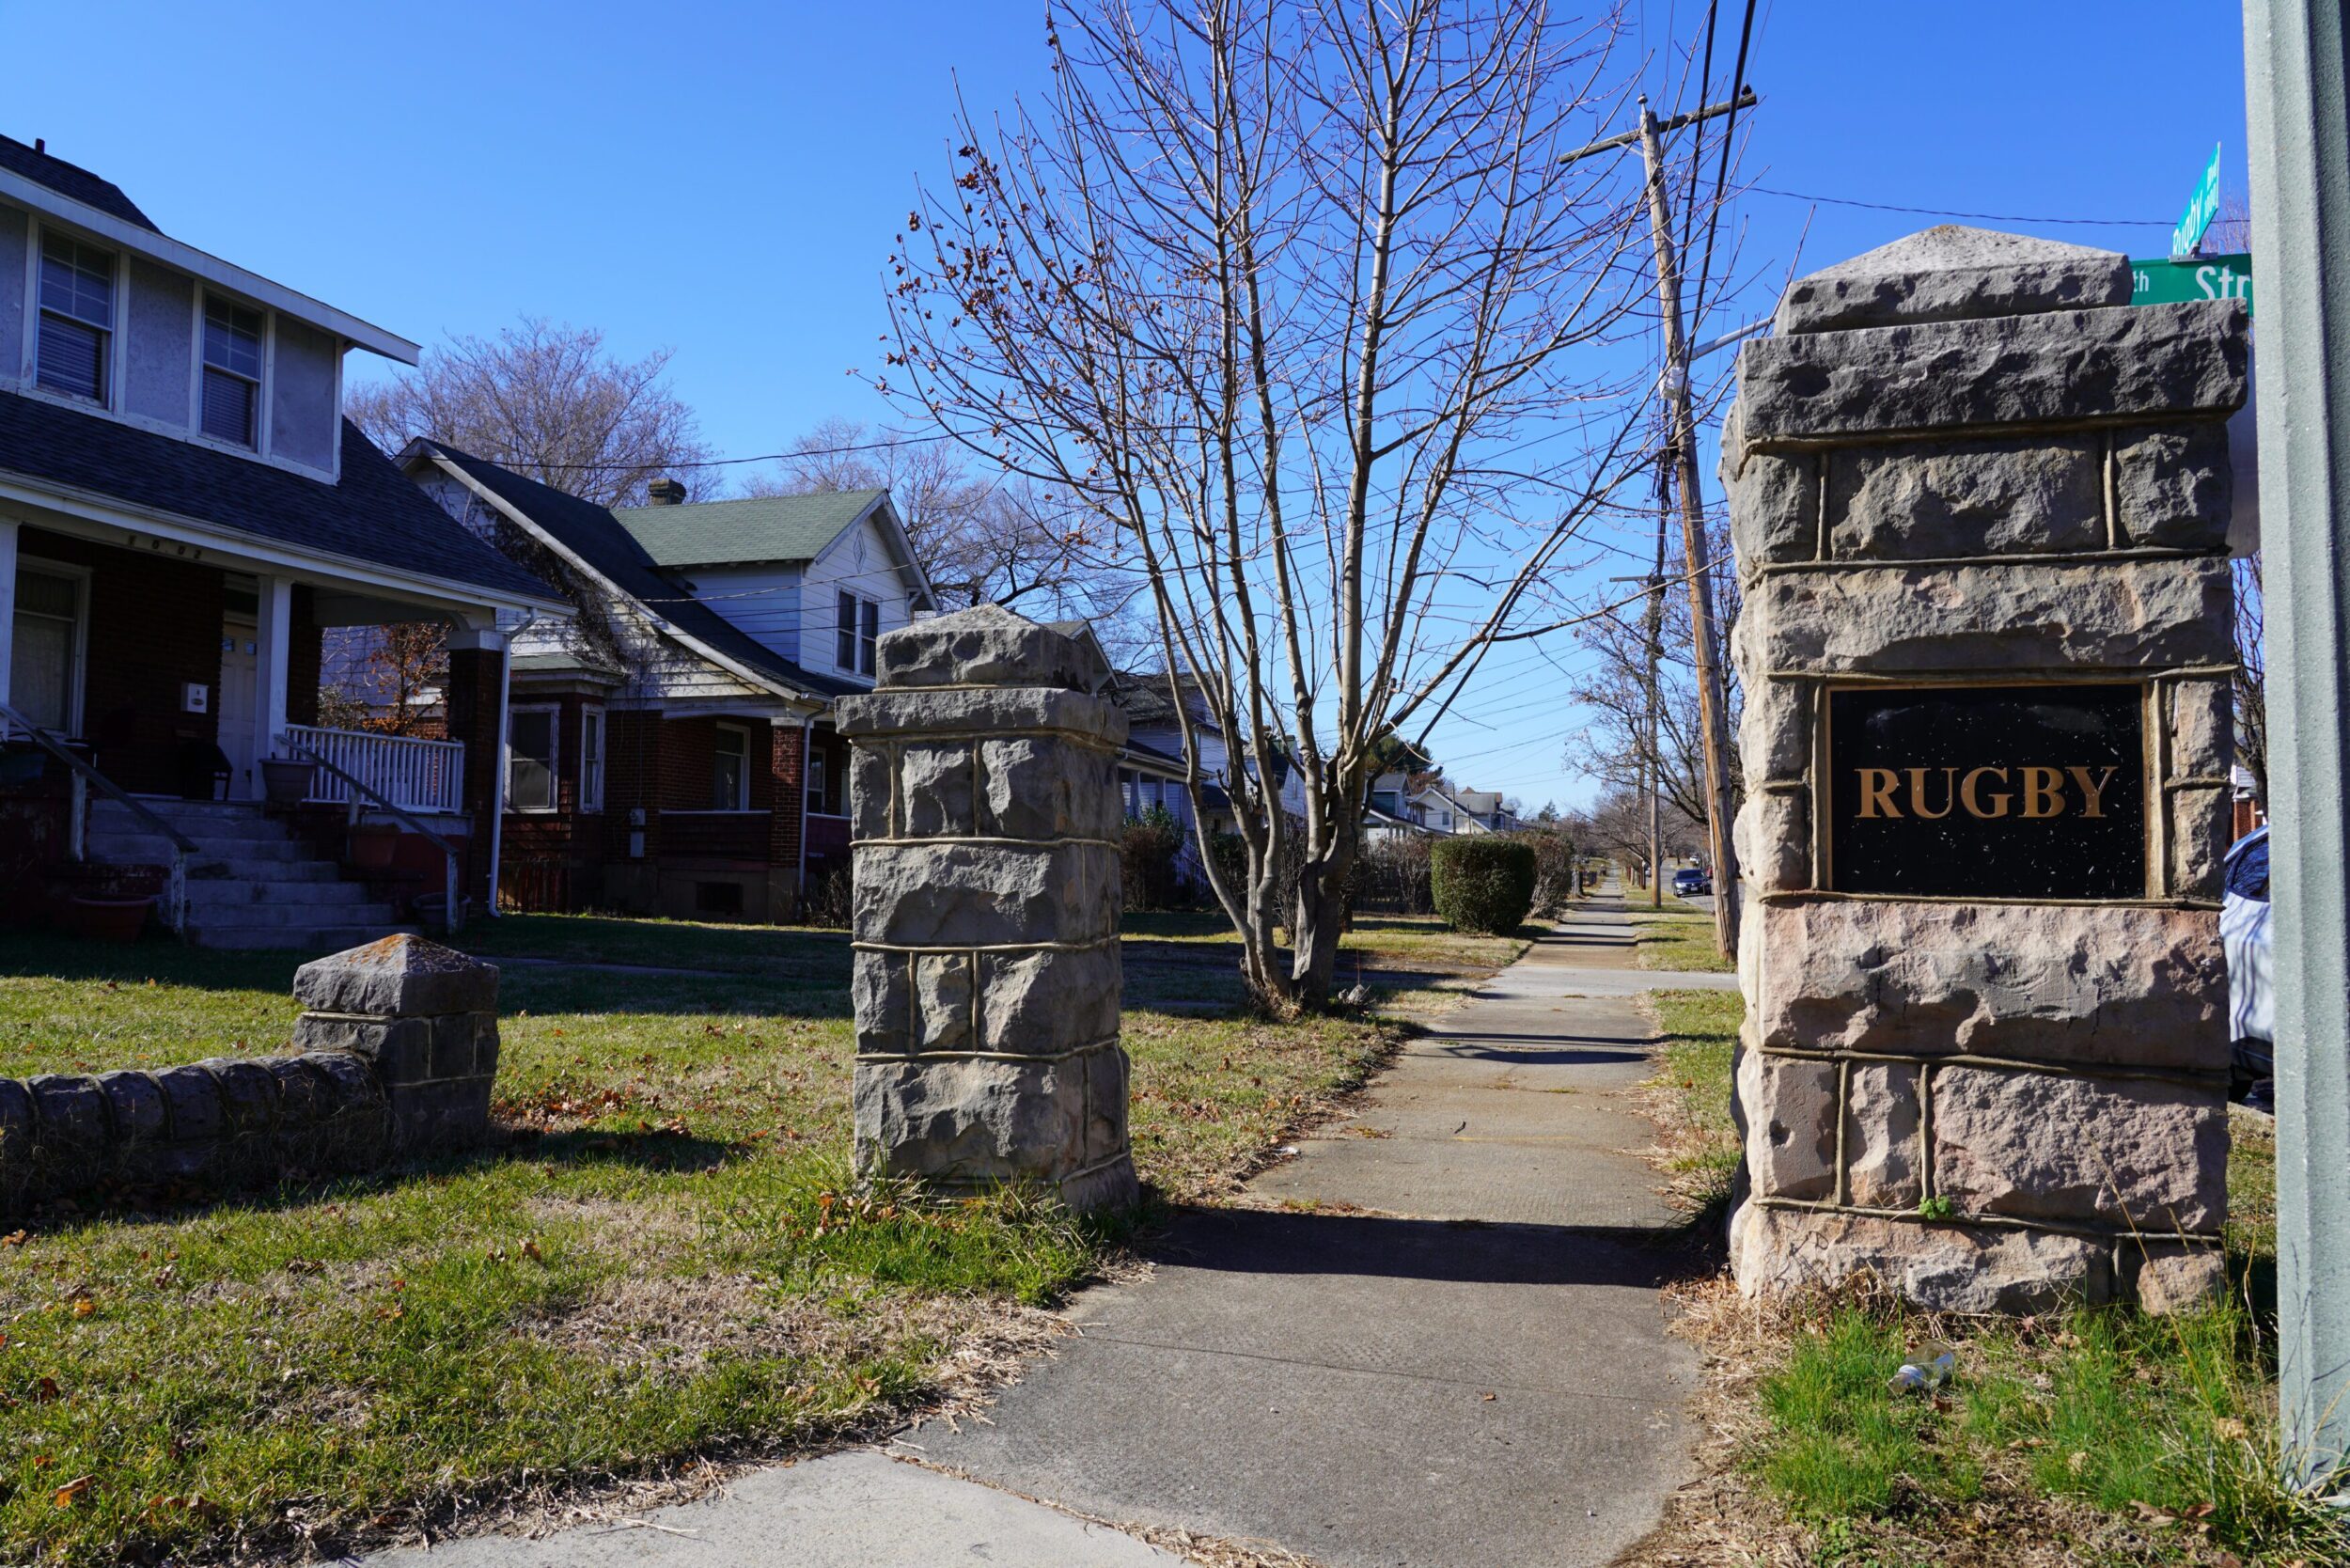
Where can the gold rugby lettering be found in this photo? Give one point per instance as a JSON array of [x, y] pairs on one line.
[[2044, 793]]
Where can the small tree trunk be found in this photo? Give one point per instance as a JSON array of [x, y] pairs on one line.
[[1322, 889]]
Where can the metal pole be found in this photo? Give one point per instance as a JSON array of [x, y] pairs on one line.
[[1713, 716], [2296, 80]]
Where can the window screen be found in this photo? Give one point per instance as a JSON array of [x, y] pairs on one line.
[[530, 767], [45, 648], [845, 633], [731, 772], [232, 373], [77, 315]]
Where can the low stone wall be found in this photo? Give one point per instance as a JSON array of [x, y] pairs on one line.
[[398, 1054]]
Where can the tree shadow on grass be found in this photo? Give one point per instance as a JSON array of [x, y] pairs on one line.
[[658, 1150]]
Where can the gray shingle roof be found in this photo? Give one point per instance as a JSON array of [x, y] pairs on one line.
[[372, 515], [71, 181], [761, 528]]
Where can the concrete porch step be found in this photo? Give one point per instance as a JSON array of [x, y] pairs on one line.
[[150, 849], [311, 939], [279, 914], [229, 892], [198, 819]]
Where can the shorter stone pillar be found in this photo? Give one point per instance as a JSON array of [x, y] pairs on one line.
[[424, 1018], [986, 871]]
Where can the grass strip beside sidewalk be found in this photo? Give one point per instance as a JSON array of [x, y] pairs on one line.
[[2089, 1435], [662, 1260]]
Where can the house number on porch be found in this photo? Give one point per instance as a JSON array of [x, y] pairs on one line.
[[163, 546]]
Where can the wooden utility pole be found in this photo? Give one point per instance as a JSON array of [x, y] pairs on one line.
[[1656, 751], [1681, 441]]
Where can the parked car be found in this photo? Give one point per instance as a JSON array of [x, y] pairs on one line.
[[1691, 879], [2246, 937]]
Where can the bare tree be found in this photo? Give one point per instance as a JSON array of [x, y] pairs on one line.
[[1001, 539], [1292, 293], [1614, 748], [387, 678], [545, 400]]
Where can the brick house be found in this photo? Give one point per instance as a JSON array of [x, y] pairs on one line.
[[182, 509], [671, 749]]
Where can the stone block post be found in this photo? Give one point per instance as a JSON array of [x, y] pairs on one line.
[[424, 1019], [1979, 507], [984, 788]]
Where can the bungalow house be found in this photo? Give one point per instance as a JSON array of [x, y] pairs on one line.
[[1151, 769], [671, 749], [182, 509], [1445, 808]]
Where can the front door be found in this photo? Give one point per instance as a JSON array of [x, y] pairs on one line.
[[240, 685]]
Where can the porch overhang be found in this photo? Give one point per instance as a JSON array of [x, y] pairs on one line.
[[109, 520]]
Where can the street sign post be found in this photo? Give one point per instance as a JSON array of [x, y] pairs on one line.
[[2165, 281], [2201, 208]]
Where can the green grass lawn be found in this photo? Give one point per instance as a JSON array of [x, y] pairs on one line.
[[661, 1256], [2165, 1427]]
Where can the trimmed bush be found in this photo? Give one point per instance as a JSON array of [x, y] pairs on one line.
[[1483, 884], [1150, 851]]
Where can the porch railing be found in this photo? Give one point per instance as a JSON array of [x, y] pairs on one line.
[[413, 775], [86, 778]]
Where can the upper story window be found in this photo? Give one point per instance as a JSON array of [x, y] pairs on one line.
[[77, 317], [855, 629], [232, 373]]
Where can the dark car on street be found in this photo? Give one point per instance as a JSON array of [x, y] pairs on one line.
[[1691, 879]]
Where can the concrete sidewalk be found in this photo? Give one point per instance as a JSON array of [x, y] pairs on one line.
[[1474, 1370], [1436, 1339]]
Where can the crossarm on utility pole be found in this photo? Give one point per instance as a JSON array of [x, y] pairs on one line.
[[1713, 716], [1745, 99]]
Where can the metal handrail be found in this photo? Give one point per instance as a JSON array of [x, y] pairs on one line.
[[176, 907], [452, 916]]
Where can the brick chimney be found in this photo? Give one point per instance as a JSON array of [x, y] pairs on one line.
[[665, 491]]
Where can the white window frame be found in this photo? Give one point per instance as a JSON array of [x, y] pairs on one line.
[[554, 756], [844, 629], [743, 786], [114, 357], [78, 685], [591, 759], [262, 432]]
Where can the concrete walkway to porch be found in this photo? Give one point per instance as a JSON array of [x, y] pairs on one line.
[[1434, 1337]]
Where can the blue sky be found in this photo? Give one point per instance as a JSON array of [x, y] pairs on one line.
[[724, 180]]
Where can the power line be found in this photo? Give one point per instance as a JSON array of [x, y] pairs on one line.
[[1941, 213]]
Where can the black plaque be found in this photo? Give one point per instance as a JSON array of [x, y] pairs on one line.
[[1988, 791]]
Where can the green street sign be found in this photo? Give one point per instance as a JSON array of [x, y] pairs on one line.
[[2197, 277], [2201, 208]]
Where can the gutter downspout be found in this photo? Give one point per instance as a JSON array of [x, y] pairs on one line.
[[808, 756], [497, 779]]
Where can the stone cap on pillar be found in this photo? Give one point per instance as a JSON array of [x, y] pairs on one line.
[[988, 646], [398, 976], [1951, 272]]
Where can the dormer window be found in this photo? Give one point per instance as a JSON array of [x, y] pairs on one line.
[[232, 373], [77, 317], [855, 628]]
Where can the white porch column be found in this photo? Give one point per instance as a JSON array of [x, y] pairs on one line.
[[8, 603], [272, 658]]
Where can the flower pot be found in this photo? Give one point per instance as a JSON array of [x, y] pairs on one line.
[[286, 780], [371, 848], [102, 920]]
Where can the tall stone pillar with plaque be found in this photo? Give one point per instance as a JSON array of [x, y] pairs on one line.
[[1980, 508]]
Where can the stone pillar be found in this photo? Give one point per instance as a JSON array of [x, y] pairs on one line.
[[983, 789], [1979, 506], [424, 1018]]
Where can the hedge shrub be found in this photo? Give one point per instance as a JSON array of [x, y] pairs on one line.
[[1484, 884]]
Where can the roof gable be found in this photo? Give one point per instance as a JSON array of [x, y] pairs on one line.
[[597, 539]]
